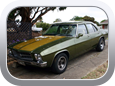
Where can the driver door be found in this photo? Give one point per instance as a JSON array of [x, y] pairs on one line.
[[82, 42]]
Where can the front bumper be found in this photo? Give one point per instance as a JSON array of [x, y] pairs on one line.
[[28, 62]]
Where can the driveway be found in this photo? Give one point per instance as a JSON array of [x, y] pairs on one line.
[[77, 68]]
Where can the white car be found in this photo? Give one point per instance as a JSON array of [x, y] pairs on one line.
[[34, 28]]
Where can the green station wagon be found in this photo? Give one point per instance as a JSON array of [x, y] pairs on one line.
[[62, 42]]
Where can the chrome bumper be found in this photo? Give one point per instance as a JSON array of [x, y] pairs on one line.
[[26, 62]]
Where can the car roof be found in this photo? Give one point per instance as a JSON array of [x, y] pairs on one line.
[[75, 22], [72, 22]]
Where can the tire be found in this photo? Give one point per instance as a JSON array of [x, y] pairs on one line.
[[60, 63], [100, 45]]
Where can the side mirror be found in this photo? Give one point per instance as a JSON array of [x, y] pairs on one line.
[[80, 34]]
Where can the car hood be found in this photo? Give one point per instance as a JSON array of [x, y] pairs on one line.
[[32, 44]]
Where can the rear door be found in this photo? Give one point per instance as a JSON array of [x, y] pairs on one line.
[[93, 34]]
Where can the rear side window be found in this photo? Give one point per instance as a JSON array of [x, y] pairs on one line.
[[82, 29], [90, 28], [95, 29]]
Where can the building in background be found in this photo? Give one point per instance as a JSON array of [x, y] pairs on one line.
[[104, 24]]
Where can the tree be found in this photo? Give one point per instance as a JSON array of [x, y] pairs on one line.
[[87, 18], [76, 18], [58, 20], [97, 23], [41, 19], [31, 14], [43, 25]]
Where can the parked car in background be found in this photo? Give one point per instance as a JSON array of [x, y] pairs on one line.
[[34, 28], [62, 42]]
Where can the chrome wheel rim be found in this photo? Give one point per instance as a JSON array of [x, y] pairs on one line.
[[62, 63], [102, 44]]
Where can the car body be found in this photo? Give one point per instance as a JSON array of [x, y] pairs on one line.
[[63, 41]]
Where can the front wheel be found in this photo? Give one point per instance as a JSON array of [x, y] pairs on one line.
[[60, 63], [100, 45]]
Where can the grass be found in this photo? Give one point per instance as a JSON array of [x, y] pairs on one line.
[[98, 72]]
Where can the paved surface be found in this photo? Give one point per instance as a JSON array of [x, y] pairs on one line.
[[77, 68]]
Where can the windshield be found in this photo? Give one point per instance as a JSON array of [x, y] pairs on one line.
[[63, 30]]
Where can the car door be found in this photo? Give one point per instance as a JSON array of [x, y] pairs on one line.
[[93, 34], [82, 43]]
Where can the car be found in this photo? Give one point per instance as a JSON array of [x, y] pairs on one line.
[[62, 42], [34, 28]]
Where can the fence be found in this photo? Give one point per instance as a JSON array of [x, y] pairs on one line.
[[18, 32]]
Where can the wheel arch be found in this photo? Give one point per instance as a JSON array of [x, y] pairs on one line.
[[62, 51], [55, 68]]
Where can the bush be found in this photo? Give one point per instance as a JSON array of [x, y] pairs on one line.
[[45, 26]]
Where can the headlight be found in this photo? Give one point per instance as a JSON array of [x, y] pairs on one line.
[[38, 57]]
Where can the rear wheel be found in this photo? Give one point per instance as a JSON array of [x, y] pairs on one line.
[[100, 45], [60, 63]]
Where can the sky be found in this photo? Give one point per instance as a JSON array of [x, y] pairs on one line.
[[70, 12]]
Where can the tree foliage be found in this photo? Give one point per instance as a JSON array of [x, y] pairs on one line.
[[85, 18], [76, 18], [45, 26], [58, 20], [31, 14], [92, 19], [97, 23]]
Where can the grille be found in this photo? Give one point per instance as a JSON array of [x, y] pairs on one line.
[[22, 55]]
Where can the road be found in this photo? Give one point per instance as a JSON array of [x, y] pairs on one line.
[[77, 68]]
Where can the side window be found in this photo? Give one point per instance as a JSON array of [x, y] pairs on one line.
[[82, 29], [68, 29], [90, 28], [95, 29]]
